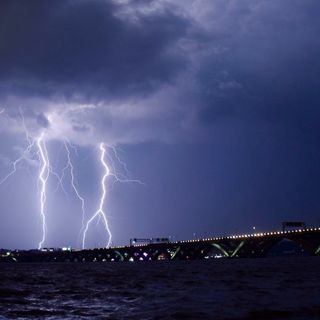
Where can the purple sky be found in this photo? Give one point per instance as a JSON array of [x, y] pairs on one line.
[[213, 105]]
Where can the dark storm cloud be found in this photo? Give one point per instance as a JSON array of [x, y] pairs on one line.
[[268, 68], [85, 48], [232, 85], [248, 60]]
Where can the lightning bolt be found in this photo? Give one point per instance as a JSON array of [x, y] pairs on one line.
[[37, 149], [119, 177], [73, 183], [100, 213], [45, 172], [43, 178], [25, 152], [124, 165], [13, 171]]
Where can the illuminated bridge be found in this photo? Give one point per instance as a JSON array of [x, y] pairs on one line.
[[306, 241]]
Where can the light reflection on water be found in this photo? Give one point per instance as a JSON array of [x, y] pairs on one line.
[[274, 288]]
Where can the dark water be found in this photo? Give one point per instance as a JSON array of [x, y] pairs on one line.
[[274, 288]]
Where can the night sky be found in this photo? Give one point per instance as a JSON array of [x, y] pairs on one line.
[[212, 104]]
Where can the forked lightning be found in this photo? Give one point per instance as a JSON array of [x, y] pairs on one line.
[[36, 147], [100, 213]]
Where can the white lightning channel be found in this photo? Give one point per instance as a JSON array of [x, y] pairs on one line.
[[73, 183], [45, 170], [37, 147], [24, 154], [43, 178], [119, 177], [100, 212], [124, 165], [13, 171]]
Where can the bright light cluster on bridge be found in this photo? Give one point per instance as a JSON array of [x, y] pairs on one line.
[[252, 235], [230, 246], [241, 236]]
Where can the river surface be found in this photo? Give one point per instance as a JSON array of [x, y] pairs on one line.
[[235, 289]]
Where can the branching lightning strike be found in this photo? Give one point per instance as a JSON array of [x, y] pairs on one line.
[[73, 183], [44, 173], [24, 154], [36, 147], [43, 177], [100, 212]]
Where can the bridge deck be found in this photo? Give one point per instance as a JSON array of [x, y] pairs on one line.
[[234, 246]]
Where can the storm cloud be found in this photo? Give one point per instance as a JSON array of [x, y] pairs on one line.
[[141, 63], [84, 49], [221, 97]]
